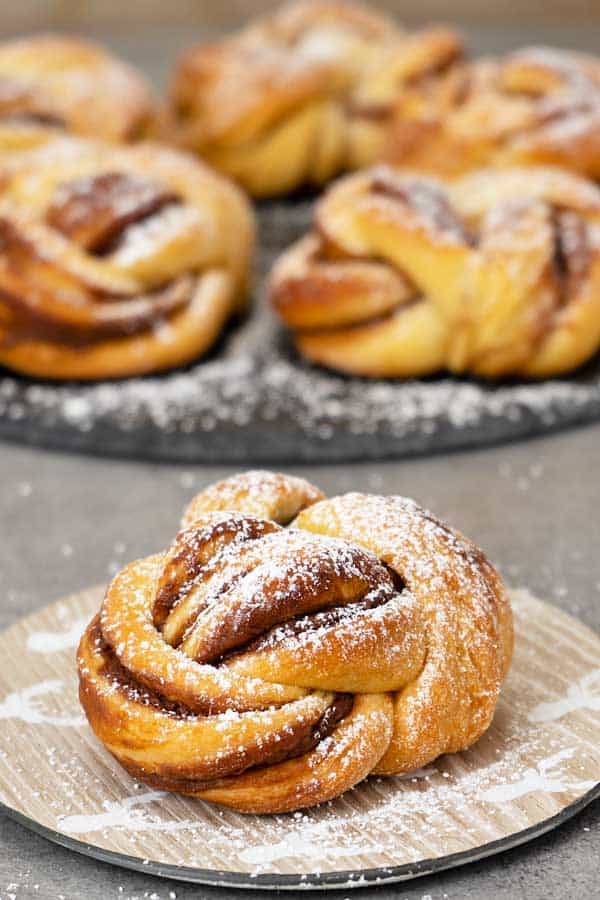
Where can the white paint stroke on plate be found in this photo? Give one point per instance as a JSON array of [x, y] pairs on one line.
[[296, 847], [418, 774], [25, 705], [124, 814], [542, 778], [578, 696], [55, 641]]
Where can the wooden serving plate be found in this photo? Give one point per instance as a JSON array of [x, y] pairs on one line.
[[537, 765]]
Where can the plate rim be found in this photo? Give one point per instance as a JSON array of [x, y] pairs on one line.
[[145, 448], [343, 879]]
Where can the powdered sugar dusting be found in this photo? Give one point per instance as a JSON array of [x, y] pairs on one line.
[[519, 774], [254, 399]]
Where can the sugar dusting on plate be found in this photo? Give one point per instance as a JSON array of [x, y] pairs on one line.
[[254, 399], [538, 757]]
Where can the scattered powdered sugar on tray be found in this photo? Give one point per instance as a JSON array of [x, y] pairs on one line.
[[254, 399]]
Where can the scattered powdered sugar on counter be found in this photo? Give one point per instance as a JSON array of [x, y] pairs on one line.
[[254, 399]]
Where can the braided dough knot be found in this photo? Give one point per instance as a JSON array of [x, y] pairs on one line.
[[270, 668], [496, 273], [301, 94], [72, 84], [537, 105], [115, 260]]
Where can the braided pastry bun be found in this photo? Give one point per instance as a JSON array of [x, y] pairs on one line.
[[72, 84], [497, 273], [302, 94], [269, 668], [535, 106], [115, 260]]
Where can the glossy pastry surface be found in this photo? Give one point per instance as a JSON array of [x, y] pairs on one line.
[[287, 645]]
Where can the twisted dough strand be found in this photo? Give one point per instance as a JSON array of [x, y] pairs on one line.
[[271, 668], [464, 621], [114, 261], [301, 94], [535, 106], [497, 273], [71, 84]]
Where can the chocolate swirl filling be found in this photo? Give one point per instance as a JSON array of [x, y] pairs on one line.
[[289, 743], [18, 103], [95, 213], [425, 198], [245, 584]]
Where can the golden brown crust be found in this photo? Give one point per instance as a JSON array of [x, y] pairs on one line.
[[537, 105], [301, 94], [268, 495], [73, 84], [496, 273], [269, 669], [114, 261]]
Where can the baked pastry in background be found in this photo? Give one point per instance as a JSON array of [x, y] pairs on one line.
[[269, 668], [302, 94], [496, 273], [75, 85], [536, 105], [114, 260]]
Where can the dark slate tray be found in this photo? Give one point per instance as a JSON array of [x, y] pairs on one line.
[[254, 400]]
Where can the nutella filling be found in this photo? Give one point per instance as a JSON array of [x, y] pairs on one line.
[[572, 254], [95, 212], [289, 743], [426, 199]]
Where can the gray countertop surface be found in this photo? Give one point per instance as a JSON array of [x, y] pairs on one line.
[[71, 521]]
